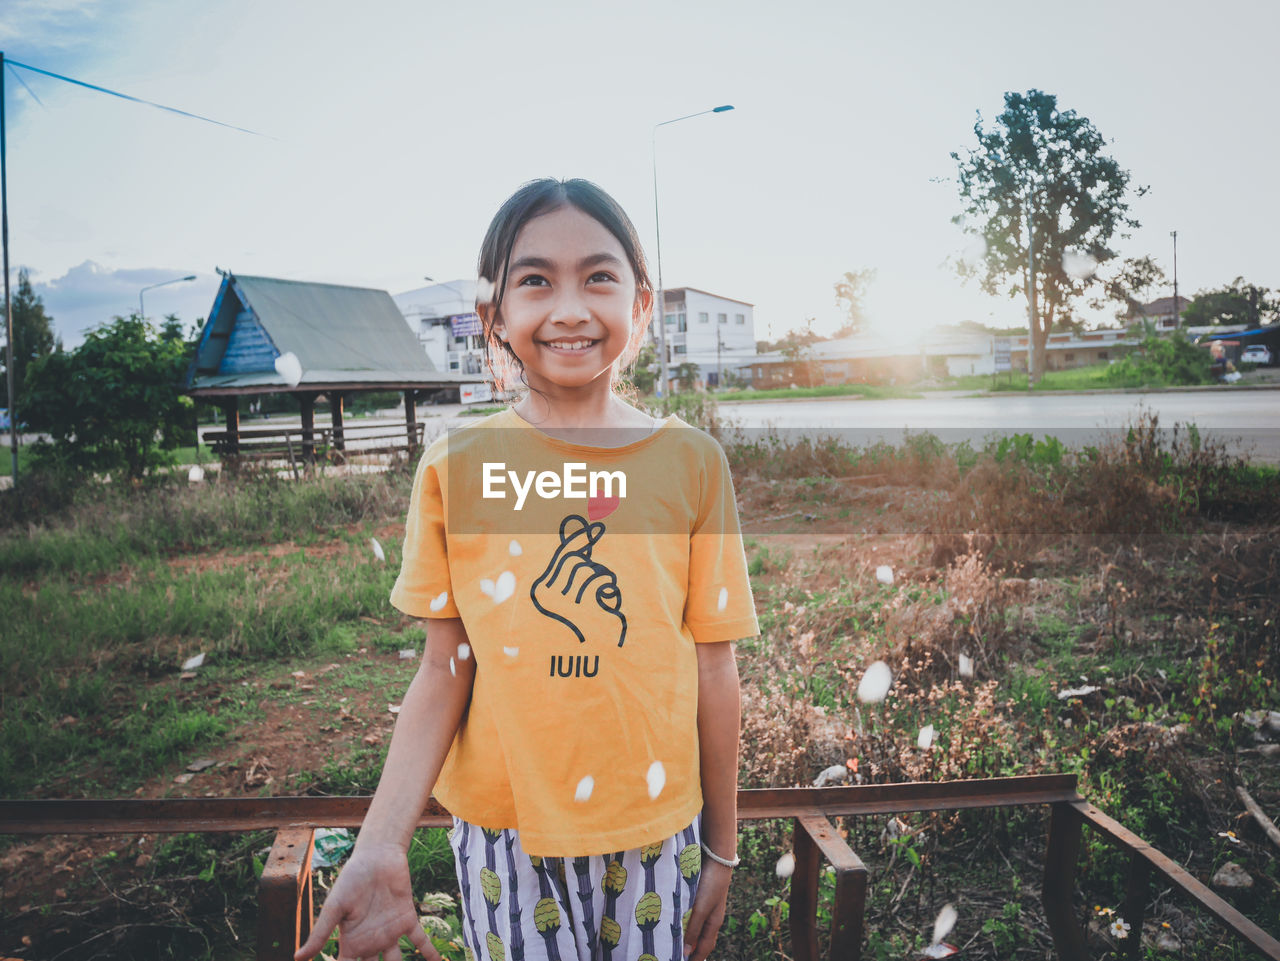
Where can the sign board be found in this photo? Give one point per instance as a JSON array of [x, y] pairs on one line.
[[475, 393], [1004, 353], [464, 325]]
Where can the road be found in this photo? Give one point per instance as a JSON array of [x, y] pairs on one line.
[[1249, 420]]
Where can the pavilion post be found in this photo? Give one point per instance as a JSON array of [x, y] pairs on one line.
[[411, 418], [231, 409], [335, 410], [307, 409]]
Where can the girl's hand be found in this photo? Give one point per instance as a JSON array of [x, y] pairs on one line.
[[372, 906], [708, 910]]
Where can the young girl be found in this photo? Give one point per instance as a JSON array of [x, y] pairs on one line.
[[580, 568]]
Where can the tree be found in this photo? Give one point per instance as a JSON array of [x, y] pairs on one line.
[[851, 290], [112, 404], [643, 372], [32, 337], [1046, 167], [1131, 286], [1235, 303], [686, 375]]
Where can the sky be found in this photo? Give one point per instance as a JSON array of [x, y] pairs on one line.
[[389, 132]]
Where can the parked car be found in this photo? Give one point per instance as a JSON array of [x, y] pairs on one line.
[[1256, 354]]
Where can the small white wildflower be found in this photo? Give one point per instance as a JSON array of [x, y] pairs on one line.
[[1120, 928]]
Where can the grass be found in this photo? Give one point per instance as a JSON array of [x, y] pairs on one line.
[[1174, 618], [870, 391]]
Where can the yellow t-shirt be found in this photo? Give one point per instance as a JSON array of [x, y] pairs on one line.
[[582, 597]]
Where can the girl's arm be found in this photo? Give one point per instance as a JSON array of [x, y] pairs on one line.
[[719, 712], [372, 901]]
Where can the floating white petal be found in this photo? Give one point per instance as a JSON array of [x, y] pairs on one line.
[[945, 921], [511, 651], [925, 738], [786, 865], [1079, 264], [657, 779], [585, 787], [884, 574], [378, 552], [939, 951], [514, 548], [723, 600], [500, 589], [1082, 691], [196, 474], [975, 251], [464, 651], [484, 291], [453, 667], [875, 683], [290, 368], [439, 601], [191, 663], [966, 665]]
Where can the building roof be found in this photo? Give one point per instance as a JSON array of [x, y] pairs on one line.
[[676, 293], [1163, 307], [344, 338]]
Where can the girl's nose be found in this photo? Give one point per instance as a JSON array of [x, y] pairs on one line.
[[569, 308]]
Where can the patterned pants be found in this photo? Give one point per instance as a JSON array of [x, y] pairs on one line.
[[614, 907]]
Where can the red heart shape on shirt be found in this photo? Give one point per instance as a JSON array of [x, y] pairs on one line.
[[598, 507]]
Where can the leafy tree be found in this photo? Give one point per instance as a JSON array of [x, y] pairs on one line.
[[1160, 361], [1045, 166], [1131, 286], [797, 348], [851, 291], [643, 373], [686, 375], [33, 337], [112, 404], [1235, 303]]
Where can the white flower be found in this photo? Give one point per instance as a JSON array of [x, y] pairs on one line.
[[1120, 928], [1230, 836], [786, 865], [875, 683]]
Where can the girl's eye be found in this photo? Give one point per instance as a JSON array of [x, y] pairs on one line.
[[601, 275], [532, 280]]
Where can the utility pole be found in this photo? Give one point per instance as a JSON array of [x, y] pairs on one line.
[[1177, 314], [8, 302]]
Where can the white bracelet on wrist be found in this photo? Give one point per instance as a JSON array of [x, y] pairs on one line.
[[719, 860]]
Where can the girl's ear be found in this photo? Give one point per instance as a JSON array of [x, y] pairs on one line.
[[644, 305], [491, 321]]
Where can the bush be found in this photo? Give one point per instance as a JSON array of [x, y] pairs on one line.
[[1162, 362]]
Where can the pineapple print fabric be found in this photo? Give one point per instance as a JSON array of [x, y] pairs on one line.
[[582, 615], [625, 906]]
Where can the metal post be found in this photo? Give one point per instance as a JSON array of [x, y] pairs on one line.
[[8, 301], [1035, 351], [660, 307], [1177, 314]]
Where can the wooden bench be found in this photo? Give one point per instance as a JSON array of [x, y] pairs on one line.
[[289, 445], [285, 904]]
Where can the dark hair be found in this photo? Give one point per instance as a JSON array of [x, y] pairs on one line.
[[542, 197]]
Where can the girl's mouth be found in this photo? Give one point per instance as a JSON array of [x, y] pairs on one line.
[[569, 346]]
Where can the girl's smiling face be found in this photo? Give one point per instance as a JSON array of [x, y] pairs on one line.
[[570, 301]]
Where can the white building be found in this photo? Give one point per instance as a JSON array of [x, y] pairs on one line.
[[716, 333], [443, 317]]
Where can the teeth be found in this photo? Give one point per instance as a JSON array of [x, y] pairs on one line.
[[567, 345]]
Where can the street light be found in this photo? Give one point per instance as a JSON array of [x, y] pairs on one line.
[[657, 232], [177, 280]]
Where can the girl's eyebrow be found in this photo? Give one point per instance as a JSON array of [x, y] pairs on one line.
[[542, 263]]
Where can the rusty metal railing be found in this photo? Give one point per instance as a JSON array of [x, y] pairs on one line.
[[285, 907]]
